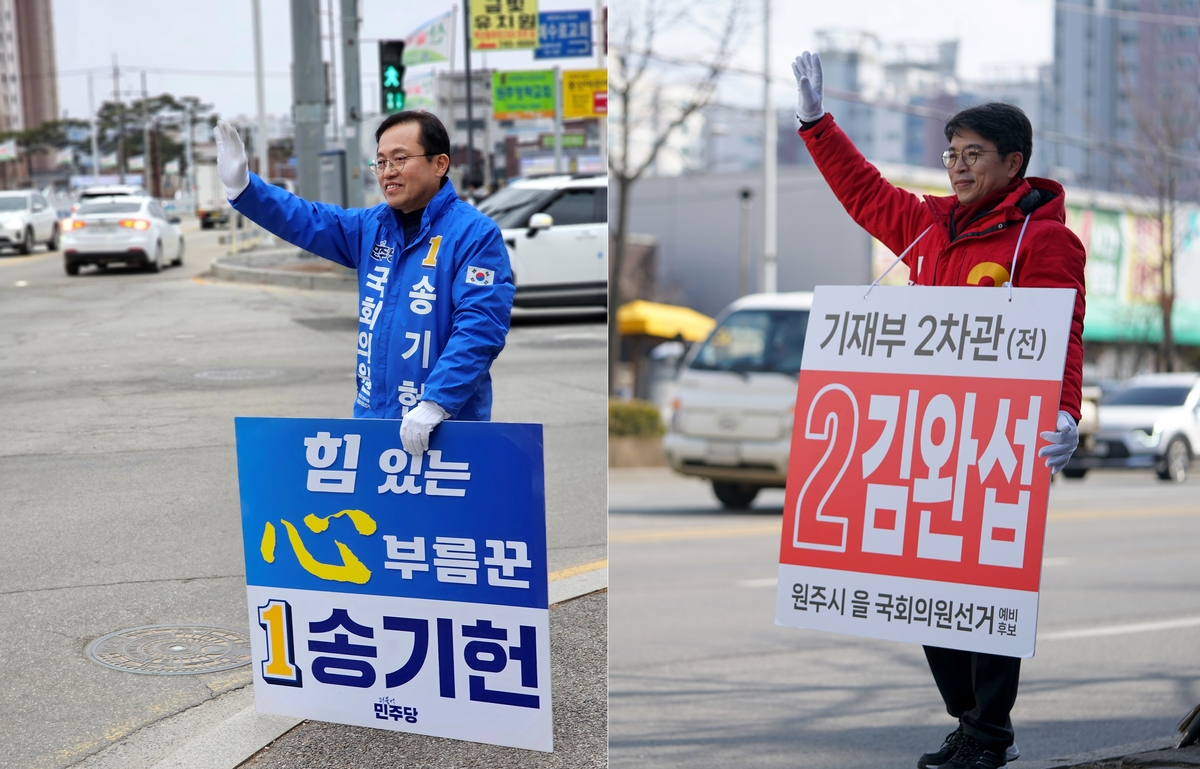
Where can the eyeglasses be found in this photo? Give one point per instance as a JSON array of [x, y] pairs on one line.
[[380, 165], [969, 156]]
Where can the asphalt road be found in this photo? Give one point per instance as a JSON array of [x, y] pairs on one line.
[[699, 676], [118, 486]]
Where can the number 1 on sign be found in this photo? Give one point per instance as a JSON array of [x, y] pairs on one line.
[[279, 668]]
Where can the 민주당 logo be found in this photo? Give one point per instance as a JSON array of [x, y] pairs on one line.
[[478, 276], [381, 252]]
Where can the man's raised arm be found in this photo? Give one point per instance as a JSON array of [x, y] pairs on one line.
[[326, 230]]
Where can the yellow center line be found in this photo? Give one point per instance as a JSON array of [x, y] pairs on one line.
[[582, 568], [707, 532], [22, 259]]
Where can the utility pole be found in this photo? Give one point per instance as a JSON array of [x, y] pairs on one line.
[[469, 177], [95, 128], [598, 24], [744, 243], [308, 95], [147, 170], [190, 177], [558, 110], [352, 104], [770, 185], [120, 122], [332, 98], [260, 90]]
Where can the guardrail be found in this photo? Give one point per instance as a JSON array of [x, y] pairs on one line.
[[248, 237]]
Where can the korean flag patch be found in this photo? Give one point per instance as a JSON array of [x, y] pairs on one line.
[[477, 276]]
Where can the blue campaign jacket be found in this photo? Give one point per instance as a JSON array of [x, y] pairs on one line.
[[433, 313]]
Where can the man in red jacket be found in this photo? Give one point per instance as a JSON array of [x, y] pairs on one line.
[[998, 228]]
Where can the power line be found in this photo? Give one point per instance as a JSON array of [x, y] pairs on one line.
[[164, 71]]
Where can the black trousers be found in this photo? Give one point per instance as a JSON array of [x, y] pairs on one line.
[[979, 690]]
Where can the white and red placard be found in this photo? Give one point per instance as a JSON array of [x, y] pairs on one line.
[[916, 503]]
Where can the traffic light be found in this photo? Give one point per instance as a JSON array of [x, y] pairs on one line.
[[391, 76]]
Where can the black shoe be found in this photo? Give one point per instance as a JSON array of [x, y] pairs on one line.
[[972, 755], [944, 753]]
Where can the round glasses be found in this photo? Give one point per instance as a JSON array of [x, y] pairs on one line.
[[969, 156], [381, 165]]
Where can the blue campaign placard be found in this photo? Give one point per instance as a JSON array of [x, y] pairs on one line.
[[564, 34], [337, 505]]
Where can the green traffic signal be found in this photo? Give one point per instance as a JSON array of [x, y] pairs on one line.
[[391, 75]]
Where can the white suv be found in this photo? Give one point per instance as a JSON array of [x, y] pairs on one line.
[[557, 236], [731, 419], [26, 218]]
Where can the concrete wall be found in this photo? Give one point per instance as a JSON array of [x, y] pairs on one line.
[[695, 219]]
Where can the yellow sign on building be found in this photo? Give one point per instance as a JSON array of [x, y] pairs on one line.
[[585, 93], [503, 25]]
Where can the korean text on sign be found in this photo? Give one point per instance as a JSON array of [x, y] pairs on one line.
[[916, 504], [503, 24], [397, 591]]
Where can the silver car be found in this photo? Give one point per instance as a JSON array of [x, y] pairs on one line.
[[1151, 422]]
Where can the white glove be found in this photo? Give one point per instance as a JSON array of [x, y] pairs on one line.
[[810, 83], [418, 424], [1062, 443], [232, 165]]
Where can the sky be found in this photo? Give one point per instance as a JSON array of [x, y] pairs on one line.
[[993, 37], [213, 42], [216, 36]]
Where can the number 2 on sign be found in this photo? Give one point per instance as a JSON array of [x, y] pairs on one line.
[[829, 408]]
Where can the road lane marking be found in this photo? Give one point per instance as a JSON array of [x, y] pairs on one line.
[[584, 568], [1107, 630], [764, 582], [1101, 515], [707, 532]]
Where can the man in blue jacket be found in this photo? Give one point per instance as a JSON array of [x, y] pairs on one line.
[[435, 288]]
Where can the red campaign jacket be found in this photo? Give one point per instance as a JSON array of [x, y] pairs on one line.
[[982, 254]]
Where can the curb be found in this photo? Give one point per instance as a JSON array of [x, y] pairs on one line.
[[236, 738], [1103, 754], [240, 268]]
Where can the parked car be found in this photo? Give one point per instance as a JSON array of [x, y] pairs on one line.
[[27, 218], [557, 236], [731, 419], [122, 229], [1151, 422]]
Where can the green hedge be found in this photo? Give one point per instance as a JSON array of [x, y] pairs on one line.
[[633, 417]]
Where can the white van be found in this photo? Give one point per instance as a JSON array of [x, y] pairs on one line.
[[731, 419]]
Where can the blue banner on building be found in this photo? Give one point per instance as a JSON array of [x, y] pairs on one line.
[[396, 591], [564, 34]]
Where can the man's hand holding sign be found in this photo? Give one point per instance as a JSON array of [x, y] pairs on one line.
[[929, 419]]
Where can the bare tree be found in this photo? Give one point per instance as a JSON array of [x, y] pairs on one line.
[[1166, 113], [636, 32], [1168, 125]]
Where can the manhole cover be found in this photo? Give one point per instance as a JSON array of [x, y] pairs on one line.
[[238, 374], [172, 650]]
